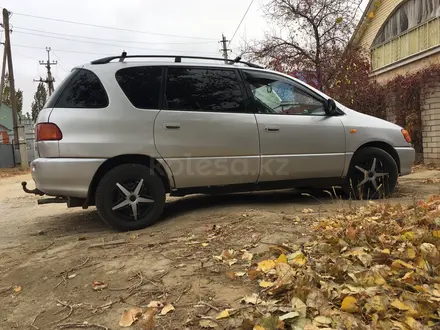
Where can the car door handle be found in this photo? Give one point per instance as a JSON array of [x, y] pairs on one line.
[[172, 126], [272, 129]]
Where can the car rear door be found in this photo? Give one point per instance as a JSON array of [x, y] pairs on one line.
[[205, 131]]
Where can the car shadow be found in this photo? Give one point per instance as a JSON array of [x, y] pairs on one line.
[[196, 203], [77, 221]]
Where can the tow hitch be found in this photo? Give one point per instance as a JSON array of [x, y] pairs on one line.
[[33, 191], [40, 193]]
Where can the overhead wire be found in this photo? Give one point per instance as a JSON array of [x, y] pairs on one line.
[[60, 62], [109, 27], [115, 40], [242, 19], [97, 43], [61, 50]]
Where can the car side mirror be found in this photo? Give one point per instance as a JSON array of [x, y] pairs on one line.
[[331, 108]]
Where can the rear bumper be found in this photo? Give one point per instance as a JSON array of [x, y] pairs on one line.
[[68, 177], [407, 156]]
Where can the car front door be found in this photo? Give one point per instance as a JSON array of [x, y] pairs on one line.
[[298, 139], [205, 132]]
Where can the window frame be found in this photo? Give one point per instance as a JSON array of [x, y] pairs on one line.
[[161, 85], [74, 76], [297, 85], [53, 99], [240, 82], [382, 27]]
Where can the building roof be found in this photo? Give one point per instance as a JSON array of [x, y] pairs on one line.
[[6, 117], [363, 22]]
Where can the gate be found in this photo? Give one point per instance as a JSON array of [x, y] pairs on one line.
[[7, 156]]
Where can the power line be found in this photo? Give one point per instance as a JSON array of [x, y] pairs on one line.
[[27, 56], [72, 51], [62, 50], [115, 40], [242, 19], [96, 43], [109, 27], [60, 62]]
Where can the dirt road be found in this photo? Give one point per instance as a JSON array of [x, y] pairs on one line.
[[50, 255]]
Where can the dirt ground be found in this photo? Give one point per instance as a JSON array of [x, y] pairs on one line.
[[50, 255]]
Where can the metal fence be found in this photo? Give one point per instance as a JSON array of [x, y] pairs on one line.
[[7, 156], [10, 154]]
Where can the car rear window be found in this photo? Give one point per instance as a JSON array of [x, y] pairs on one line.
[[141, 85], [82, 90], [200, 89]]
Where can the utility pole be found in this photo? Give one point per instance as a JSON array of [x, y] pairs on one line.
[[49, 80], [224, 49], [19, 134], [2, 83]]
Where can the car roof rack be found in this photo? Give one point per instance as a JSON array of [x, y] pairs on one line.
[[177, 59]]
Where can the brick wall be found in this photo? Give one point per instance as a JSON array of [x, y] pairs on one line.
[[431, 125]]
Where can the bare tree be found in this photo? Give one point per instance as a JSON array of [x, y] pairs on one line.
[[307, 32]]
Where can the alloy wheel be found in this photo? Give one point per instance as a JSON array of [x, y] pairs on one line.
[[131, 199]]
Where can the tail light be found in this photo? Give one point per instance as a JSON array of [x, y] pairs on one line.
[[48, 132], [406, 135]]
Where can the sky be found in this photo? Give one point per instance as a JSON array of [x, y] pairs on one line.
[[190, 27]]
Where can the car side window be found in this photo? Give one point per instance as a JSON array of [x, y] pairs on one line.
[[277, 95], [141, 85], [204, 89], [84, 90]]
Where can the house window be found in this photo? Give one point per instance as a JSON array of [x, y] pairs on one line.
[[412, 28]]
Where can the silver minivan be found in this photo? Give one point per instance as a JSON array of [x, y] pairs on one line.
[[122, 132]]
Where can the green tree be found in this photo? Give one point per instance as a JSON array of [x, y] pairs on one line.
[[6, 98], [40, 98]]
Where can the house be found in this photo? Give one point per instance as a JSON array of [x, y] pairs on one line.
[[403, 36], [6, 122]]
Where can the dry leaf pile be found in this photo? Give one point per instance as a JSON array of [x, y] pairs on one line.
[[373, 267]]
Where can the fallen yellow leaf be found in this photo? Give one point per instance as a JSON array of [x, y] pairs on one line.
[[400, 305], [222, 315], [205, 244], [167, 308], [436, 233], [399, 264], [413, 323], [17, 289], [411, 253], [349, 304], [409, 236], [266, 265], [208, 324], [297, 259], [282, 258], [258, 327], [422, 263], [266, 284]]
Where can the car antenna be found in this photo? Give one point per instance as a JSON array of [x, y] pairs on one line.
[[237, 59], [123, 56]]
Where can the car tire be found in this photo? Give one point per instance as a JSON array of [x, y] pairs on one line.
[[373, 174], [130, 197]]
